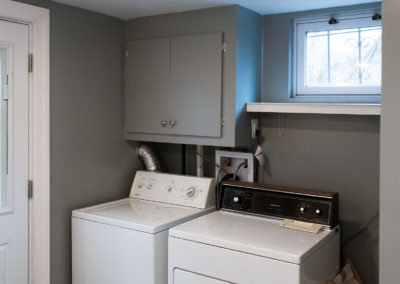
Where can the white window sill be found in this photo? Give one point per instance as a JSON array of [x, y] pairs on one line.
[[316, 108]]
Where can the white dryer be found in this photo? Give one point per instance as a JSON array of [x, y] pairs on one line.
[[245, 243], [126, 241]]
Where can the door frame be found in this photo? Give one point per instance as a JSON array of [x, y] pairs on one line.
[[38, 20]]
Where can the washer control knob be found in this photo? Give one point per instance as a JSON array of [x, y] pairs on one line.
[[169, 188], [236, 199], [190, 192], [149, 187], [302, 209], [317, 211]]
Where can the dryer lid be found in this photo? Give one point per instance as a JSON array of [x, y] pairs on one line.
[[253, 235], [140, 215]]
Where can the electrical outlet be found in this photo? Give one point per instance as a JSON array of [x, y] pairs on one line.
[[254, 128]]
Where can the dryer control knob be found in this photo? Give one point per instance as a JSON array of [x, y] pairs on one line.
[[236, 199], [191, 191], [317, 211], [302, 209]]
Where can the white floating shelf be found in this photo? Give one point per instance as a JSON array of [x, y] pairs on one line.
[[317, 108]]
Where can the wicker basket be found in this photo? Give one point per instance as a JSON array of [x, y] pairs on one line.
[[348, 275]]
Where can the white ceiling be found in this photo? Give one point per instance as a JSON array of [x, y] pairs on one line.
[[128, 9]]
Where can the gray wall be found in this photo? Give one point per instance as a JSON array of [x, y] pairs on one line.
[[90, 160], [390, 140]]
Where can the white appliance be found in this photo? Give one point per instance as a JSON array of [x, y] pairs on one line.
[[126, 241], [244, 242]]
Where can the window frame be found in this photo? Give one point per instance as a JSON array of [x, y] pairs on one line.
[[313, 24], [5, 192]]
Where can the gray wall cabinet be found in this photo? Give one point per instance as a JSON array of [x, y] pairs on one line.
[[198, 93], [196, 85], [171, 81], [148, 78]]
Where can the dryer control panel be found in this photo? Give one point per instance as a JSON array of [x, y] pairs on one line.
[[191, 191], [279, 201]]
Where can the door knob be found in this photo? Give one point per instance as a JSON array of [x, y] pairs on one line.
[[172, 123], [163, 123]]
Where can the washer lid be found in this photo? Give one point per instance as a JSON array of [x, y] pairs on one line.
[[141, 215], [251, 234]]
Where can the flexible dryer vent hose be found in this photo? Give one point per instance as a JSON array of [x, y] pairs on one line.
[[149, 158]]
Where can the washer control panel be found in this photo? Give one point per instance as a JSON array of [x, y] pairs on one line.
[[281, 202], [191, 191]]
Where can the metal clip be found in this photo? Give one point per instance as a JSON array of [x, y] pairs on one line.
[[333, 21], [224, 47]]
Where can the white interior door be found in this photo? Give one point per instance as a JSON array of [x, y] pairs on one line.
[[13, 153]]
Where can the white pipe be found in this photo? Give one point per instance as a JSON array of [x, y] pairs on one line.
[[199, 150]]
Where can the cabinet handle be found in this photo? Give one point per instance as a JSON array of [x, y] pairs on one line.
[[163, 123], [172, 123]]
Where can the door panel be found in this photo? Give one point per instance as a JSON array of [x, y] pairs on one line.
[[196, 85], [185, 277], [4, 260], [5, 193], [13, 153], [147, 85]]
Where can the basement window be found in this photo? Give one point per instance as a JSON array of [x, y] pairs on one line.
[[338, 56]]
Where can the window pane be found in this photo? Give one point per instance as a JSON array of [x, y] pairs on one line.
[[317, 63], [344, 63], [371, 56], [344, 58], [3, 131]]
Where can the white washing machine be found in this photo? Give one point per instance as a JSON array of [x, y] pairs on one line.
[[245, 242], [126, 241]]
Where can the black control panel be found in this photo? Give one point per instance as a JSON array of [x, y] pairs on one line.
[[281, 202]]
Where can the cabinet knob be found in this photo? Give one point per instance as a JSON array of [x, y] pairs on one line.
[[172, 123], [163, 123]]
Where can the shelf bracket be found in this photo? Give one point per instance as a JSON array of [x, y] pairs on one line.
[[281, 123]]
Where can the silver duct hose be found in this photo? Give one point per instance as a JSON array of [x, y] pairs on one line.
[[149, 158]]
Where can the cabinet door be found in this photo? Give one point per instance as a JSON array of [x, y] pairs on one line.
[[147, 86], [196, 84]]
